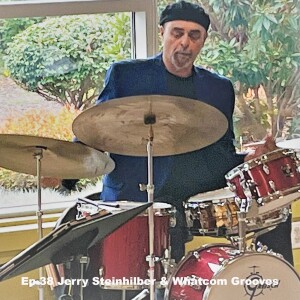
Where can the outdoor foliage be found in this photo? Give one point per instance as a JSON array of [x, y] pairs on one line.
[[256, 44], [11, 27], [41, 123], [64, 59]]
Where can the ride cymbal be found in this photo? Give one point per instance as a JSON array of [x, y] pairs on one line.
[[122, 126], [60, 159]]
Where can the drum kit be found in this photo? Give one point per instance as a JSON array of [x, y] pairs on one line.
[[257, 199]]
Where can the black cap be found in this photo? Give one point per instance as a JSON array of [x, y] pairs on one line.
[[185, 11]]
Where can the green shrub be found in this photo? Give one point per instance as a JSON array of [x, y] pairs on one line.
[[38, 122]]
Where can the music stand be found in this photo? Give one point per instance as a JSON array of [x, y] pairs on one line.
[[69, 239]]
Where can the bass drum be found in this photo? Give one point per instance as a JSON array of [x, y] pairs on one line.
[[220, 272]]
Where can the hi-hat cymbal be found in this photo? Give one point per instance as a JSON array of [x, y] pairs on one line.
[[290, 144], [60, 159], [121, 125]]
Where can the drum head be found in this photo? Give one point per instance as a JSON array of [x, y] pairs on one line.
[[212, 195], [255, 276]]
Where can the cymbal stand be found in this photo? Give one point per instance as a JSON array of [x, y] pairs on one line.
[[38, 155], [242, 231], [150, 119], [244, 207], [150, 192]]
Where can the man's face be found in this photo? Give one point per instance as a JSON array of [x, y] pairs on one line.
[[182, 42]]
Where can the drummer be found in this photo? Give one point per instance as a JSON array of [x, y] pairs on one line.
[[183, 29]]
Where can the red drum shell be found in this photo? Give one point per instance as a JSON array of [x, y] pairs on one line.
[[267, 177], [123, 253]]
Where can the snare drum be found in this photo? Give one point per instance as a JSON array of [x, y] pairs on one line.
[[220, 272], [214, 214], [273, 179]]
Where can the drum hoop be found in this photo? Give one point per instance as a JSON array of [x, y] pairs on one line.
[[214, 196], [250, 164]]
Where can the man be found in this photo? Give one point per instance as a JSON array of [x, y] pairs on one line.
[[183, 28]]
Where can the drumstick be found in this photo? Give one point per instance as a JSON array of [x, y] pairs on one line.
[[115, 205]]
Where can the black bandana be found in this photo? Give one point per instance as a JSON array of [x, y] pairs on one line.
[[185, 11]]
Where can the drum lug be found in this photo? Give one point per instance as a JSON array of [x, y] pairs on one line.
[[264, 249], [156, 259], [272, 185], [101, 272], [248, 186], [266, 169], [287, 171], [168, 263], [261, 248], [260, 201], [196, 255], [223, 262], [172, 220]]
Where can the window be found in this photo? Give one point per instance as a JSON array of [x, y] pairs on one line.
[[61, 46]]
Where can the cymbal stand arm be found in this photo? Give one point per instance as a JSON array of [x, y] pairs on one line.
[[150, 192], [38, 155]]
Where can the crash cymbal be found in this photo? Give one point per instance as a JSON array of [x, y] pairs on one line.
[[289, 144], [60, 159], [122, 125]]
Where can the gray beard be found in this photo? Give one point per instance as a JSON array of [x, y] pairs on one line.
[[180, 64]]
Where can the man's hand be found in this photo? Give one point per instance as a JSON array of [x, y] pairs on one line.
[[268, 146]]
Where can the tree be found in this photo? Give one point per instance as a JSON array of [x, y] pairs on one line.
[[65, 59], [256, 44]]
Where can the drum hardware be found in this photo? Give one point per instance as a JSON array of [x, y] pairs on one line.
[[150, 119], [242, 231], [242, 213], [87, 207], [83, 261], [168, 263], [142, 295], [261, 248], [65, 297], [249, 247]]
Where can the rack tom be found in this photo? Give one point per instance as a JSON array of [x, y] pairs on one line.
[[272, 180]]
